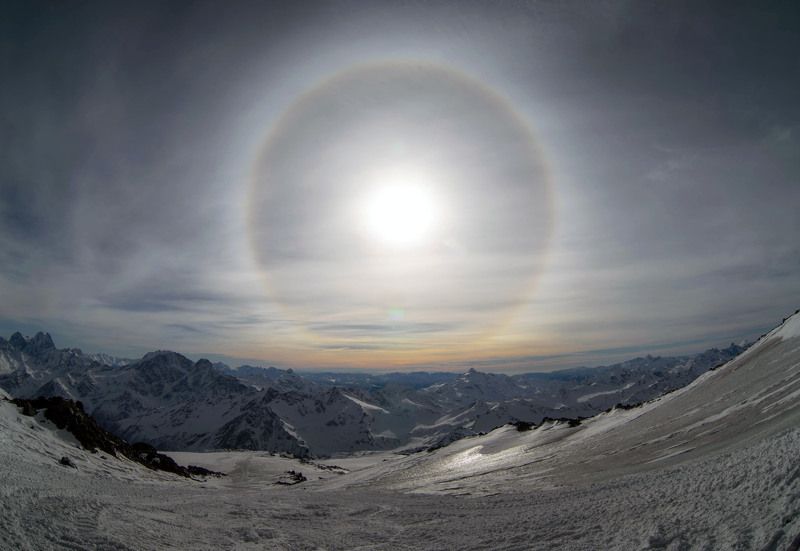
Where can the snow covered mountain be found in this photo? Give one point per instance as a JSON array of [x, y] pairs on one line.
[[170, 402], [163, 399], [712, 465]]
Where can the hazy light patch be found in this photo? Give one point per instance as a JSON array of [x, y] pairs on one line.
[[398, 196], [401, 212]]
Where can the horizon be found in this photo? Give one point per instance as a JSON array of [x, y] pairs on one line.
[[455, 369], [528, 186]]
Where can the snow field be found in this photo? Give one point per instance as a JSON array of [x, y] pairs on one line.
[[711, 466]]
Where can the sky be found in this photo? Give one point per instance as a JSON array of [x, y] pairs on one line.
[[510, 186]]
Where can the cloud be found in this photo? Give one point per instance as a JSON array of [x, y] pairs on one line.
[[126, 182], [372, 329]]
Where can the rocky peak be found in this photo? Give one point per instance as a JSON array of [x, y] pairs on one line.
[[164, 360], [204, 364], [270, 394], [158, 368], [18, 341], [41, 342], [333, 395], [160, 354], [475, 376]]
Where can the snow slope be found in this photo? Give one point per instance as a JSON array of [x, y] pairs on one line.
[[753, 397], [710, 466], [745, 499]]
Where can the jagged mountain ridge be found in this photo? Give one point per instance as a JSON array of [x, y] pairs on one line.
[[169, 401]]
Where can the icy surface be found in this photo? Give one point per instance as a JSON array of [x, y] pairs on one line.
[[711, 466]]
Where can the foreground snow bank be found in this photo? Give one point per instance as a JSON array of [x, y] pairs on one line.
[[745, 499]]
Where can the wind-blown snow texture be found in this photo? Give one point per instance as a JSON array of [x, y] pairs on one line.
[[169, 401], [710, 466]]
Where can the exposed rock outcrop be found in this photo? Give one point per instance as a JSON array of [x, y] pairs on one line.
[[69, 415]]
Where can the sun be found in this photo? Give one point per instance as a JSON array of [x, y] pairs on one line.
[[400, 214]]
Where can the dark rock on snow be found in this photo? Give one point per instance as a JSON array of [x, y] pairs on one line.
[[70, 415]]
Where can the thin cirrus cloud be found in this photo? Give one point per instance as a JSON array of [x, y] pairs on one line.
[[143, 206]]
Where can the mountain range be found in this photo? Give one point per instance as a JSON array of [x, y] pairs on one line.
[[174, 403]]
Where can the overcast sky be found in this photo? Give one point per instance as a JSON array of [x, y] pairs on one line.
[[601, 179]]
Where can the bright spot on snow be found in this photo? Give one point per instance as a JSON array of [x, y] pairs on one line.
[[465, 459]]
